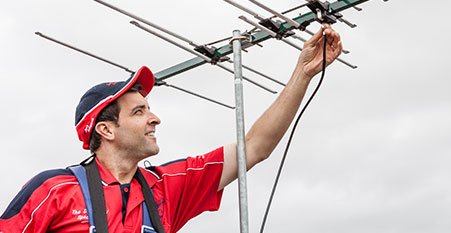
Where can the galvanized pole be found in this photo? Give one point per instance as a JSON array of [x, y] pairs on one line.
[[241, 146]]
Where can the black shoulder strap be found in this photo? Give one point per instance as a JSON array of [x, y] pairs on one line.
[[97, 197], [150, 202]]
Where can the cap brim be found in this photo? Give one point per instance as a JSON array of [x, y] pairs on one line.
[[145, 78]]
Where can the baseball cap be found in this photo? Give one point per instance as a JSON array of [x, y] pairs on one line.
[[100, 96]]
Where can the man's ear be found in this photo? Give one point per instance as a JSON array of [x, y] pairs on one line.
[[105, 129]]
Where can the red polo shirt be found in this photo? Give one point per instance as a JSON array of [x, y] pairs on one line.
[[53, 202]]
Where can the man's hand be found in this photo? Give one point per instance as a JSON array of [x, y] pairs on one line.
[[311, 58]]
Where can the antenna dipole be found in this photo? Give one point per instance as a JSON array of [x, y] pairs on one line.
[[158, 82], [207, 59], [182, 38], [291, 22], [271, 33], [257, 38]]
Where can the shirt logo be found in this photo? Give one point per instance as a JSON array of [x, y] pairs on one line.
[[81, 215]]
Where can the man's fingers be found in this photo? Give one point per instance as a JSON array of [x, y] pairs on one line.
[[332, 36], [315, 38], [337, 40], [339, 47], [333, 40]]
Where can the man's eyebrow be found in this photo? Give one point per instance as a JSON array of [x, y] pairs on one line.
[[142, 106]]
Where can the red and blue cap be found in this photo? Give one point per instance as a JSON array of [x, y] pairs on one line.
[[100, 96]]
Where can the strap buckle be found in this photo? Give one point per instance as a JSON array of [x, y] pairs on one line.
[[147, 229]]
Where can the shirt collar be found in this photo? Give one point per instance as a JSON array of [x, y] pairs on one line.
[[105, 175], [108, 178]]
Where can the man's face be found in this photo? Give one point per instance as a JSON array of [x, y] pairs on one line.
[[136, 131]]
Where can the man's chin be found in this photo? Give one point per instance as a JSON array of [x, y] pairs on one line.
[[154, 151]]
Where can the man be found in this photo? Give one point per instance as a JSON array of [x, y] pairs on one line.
[[113, 121]]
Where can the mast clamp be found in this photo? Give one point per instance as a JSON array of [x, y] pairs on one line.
[[275, 26], [210, 52], [323, 12]]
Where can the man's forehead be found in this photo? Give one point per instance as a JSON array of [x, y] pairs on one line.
[[132, 99]]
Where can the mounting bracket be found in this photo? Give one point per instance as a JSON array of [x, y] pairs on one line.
[[276, 27], [210, 52], [322, 11]]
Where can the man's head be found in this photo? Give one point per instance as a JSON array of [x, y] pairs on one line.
[[98, 99]]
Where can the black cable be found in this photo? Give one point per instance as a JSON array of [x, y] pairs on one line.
[[282, 162]]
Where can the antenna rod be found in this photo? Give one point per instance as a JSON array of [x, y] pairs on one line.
[[207, 59], [357, 8], [261, 74], [230, 37], [269, 32], [195, 94], [295, 8], [145, 21], [299, 38], [351, 25], [287, 19], [84, 52], [244, 9], [220, 40], [304, 40]]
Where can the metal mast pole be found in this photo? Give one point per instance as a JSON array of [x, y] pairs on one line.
[[241, 146]]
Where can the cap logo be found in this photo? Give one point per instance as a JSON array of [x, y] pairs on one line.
[[111, 83], [88, 127]]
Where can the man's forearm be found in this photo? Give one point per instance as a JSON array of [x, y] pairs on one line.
[[269, 129]]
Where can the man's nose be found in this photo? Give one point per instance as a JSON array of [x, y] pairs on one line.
[[153, 119]]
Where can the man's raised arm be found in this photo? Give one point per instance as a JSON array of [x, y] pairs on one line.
[[270, 127]]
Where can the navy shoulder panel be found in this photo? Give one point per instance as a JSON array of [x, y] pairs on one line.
[[22, 197], [171, 162]]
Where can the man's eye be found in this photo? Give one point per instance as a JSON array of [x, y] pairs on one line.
[[139, 111]]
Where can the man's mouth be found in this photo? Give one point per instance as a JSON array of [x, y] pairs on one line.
[[151, 133]]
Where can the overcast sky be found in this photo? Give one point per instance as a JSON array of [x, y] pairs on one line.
[[372, 153]]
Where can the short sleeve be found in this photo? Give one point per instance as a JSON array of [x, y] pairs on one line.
[[189, 187]]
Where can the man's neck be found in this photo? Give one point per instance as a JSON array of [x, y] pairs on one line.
[[122, 169]]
